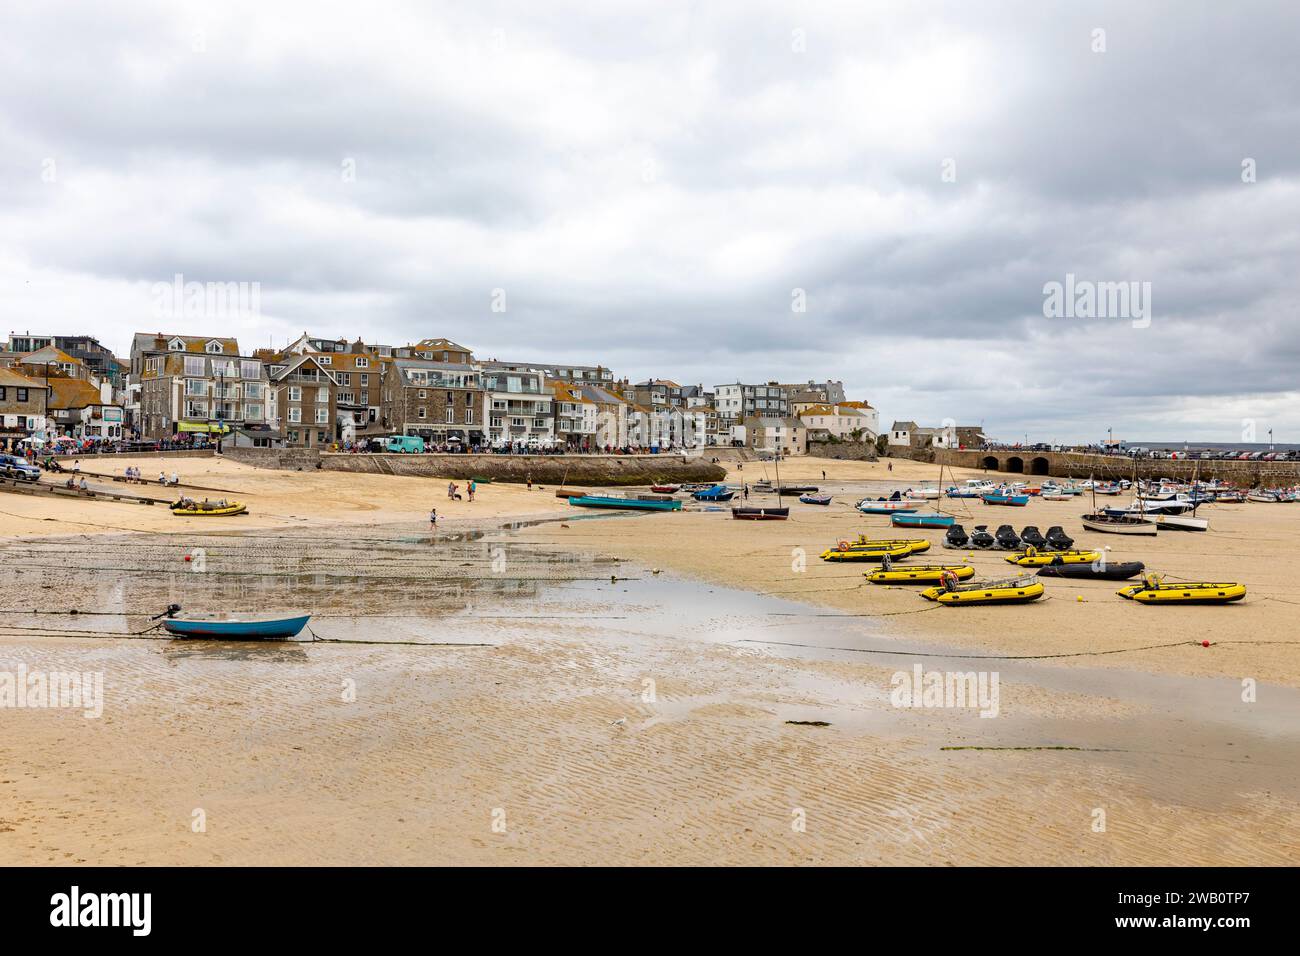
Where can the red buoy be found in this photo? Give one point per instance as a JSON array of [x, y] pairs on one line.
[[1205, 643]]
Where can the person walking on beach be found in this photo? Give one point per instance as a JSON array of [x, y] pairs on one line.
[[472, 487], [823, 474], [891, 466], [76, 467], [433, 519], [451, 491], [746, 491], [530, 482]]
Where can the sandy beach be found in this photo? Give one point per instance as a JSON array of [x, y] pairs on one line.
[[608, 689]]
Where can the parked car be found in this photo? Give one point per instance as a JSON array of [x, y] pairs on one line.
[[20, 468]]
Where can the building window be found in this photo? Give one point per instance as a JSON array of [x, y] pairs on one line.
[[363, 362], [419, 412], [345, 378], [451, 416], [325, 360], [295, 393], [250, 370], [196, 386], [323, 395], [21, 393], [253, 390], [423, 394], [195, 365], [365, 380], [322, 416], [320, 438], [295, 415], [253, 411], [213, 348], [469, 416], [539, 422]]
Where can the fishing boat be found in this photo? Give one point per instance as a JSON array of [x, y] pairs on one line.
[[1118, 524], [760, 514], [714, 493], [1229, 497], [883, 506], [815, 499], [918, 573], [1009, 591], [665, 489], [1181, 523], [1056, 496], [921, 520], [697, 486], [634, 504], [997, 498], [239, 627], [188, 508], [1031, 558], [1096, 571], [1153, 590], [1269, 497], [794, 490], [1109, 490], [921, 494], [568, 493]]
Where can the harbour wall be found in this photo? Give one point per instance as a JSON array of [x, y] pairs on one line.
[[576, 470], [1082, 465], [843, 450]]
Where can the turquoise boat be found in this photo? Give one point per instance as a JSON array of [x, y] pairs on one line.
[[927, 520], [246, 628], [999, 498], [637, 504]]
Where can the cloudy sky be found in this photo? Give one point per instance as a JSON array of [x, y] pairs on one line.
[[661, 187]]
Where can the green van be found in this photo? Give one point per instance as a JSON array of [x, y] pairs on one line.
[[405, 443]]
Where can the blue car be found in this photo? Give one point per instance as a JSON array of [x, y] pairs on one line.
[[20, 468]]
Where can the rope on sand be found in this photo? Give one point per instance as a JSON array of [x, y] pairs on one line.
[[990, 657]]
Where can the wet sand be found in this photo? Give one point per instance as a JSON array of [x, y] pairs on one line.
[[549, 746]]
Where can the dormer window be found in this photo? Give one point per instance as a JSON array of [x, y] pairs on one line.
[[213, 348], [176, 345]]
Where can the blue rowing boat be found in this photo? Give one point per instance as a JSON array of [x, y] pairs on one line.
[[241, 629], [636, 504], [926, 520]]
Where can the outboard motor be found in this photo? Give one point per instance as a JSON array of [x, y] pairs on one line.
[[1032, 537], [1007, 538], [956, 537], [1058, 540], [981, 537]]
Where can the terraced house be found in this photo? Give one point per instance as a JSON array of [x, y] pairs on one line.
[[303, 404], [195, 384], [520, 408], [358, 375], [441, 402], [577, 417]]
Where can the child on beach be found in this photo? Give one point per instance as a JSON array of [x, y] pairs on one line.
[[472, 488], [433, 519]]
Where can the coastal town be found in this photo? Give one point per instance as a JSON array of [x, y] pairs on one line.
[[65, 393]]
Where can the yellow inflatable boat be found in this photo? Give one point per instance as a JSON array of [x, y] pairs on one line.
[[1012, 591], [1030, 558], [918, 573], [863, 543], [208, 509], [867, 554], [1153, 590]]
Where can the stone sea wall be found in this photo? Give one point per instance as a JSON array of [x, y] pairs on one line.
[[574, 470]]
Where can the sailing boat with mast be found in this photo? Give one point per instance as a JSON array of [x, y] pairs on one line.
[[779, 513], [1111, 523], [925, 519], [1186, 522]]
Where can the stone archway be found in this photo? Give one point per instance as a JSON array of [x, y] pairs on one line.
[[1039, 466], [1015, 464]]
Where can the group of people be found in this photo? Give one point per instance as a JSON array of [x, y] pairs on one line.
[[453, 490]]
